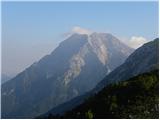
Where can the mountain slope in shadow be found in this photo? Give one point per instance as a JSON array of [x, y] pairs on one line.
[[136, 98]]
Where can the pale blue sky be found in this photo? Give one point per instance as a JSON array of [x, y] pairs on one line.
[[31, 30]]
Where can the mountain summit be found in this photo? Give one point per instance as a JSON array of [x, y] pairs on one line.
[[142, 60], [73, 68]]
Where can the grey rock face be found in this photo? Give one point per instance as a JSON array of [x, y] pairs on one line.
[[144, 59], [72, 69]]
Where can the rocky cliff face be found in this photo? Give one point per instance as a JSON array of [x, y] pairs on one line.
[[72, 69], [144, 59]]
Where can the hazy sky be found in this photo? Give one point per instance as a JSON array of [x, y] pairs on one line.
[[31, 30]]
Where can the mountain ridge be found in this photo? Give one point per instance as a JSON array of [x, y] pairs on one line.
[[62, 75], [148, 59], [116, 75], [140, 100]]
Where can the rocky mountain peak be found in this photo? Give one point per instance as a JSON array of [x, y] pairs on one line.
[[72, 69]]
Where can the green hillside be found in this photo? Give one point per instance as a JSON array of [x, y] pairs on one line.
[[137, 97]]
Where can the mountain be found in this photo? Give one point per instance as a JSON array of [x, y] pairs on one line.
[[5, 78], [72, 69], [142, 60], [136, 98]]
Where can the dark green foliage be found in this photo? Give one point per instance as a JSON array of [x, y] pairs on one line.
[[89, 114], [137, 97]]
